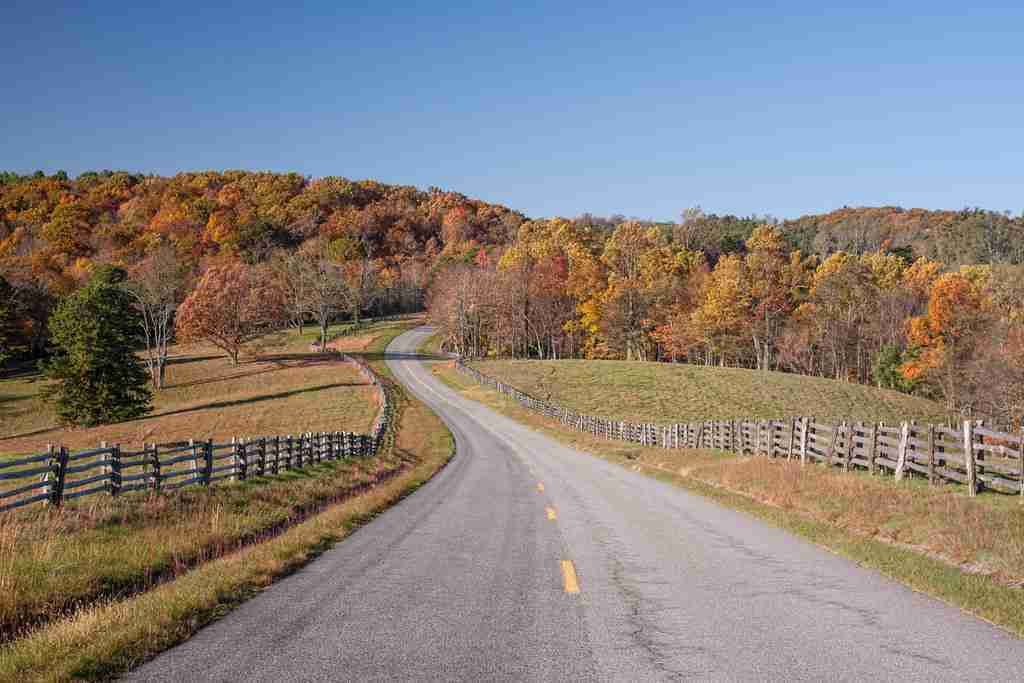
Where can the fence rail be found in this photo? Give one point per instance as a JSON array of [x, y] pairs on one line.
[[59, 475], [972, 455]]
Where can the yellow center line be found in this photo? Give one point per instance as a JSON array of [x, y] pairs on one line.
[[569, 580], [551, 512], [540, 487]]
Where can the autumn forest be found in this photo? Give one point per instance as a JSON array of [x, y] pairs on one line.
[[925, 302]]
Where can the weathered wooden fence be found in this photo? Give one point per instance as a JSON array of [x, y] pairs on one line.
[[58, 475], [971, 454]]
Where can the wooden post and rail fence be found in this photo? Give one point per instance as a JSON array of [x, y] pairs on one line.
[[969, 454], [59, 475]]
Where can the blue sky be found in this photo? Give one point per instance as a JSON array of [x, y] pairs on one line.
[[550, 108]]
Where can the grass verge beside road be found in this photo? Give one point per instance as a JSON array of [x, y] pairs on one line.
[[104, 633], [967, 552]]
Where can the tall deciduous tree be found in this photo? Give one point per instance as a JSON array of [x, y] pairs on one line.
[[776, 282], [97, 376], [157, 286], [359, 272], [948, 336], [284, 269], [325, 289], [231, 306]]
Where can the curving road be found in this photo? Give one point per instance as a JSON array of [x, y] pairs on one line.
[[469, 579]]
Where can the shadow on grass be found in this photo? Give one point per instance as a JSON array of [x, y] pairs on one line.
[[185, 360], [37, 432], [250, 400], [279, 361]]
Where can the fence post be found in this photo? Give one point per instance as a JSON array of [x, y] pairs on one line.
[[848, 432], [901, 454], [115, 470], [105, 467], [156, 478], [49, 476], [195, 459], [931, 454], [208, 462], [873, 446], [235, 447], [59, 466], [804, 424], [1020, 461], [243, 459], [972, 483], [792, 438]]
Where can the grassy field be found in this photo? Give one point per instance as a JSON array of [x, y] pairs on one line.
[[663, 392], [109, 637], [966, 551], [283, 389], [54, 562]]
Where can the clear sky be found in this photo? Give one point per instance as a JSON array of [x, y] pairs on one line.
[[553, 108]]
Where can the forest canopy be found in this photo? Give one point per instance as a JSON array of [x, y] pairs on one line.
[[859, 294]]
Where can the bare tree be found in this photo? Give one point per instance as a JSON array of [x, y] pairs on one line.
[[157, 287], [325, 290], [285, 268], [360, 277]]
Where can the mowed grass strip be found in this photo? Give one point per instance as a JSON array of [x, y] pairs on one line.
[[966, 551], [669, 392], [53, 562]]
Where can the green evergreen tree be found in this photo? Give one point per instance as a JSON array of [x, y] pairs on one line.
[[10, 342], [94, 333], [885, 370]]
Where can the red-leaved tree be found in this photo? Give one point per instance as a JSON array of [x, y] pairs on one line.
[[232, 305]]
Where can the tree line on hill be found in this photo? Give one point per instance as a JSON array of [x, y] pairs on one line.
[[862, 294], [744, 296], [96, 268]]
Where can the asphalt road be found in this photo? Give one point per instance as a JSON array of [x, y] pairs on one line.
[[465, 580]]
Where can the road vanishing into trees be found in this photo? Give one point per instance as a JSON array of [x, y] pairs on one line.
[[527, 560]]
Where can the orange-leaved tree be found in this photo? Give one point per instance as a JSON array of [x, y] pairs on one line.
[[232, 305], [947, 335]]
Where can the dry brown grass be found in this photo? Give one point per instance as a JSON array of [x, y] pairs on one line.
[[207, 397]]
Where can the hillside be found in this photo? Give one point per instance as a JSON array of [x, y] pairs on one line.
[[663, 392]]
